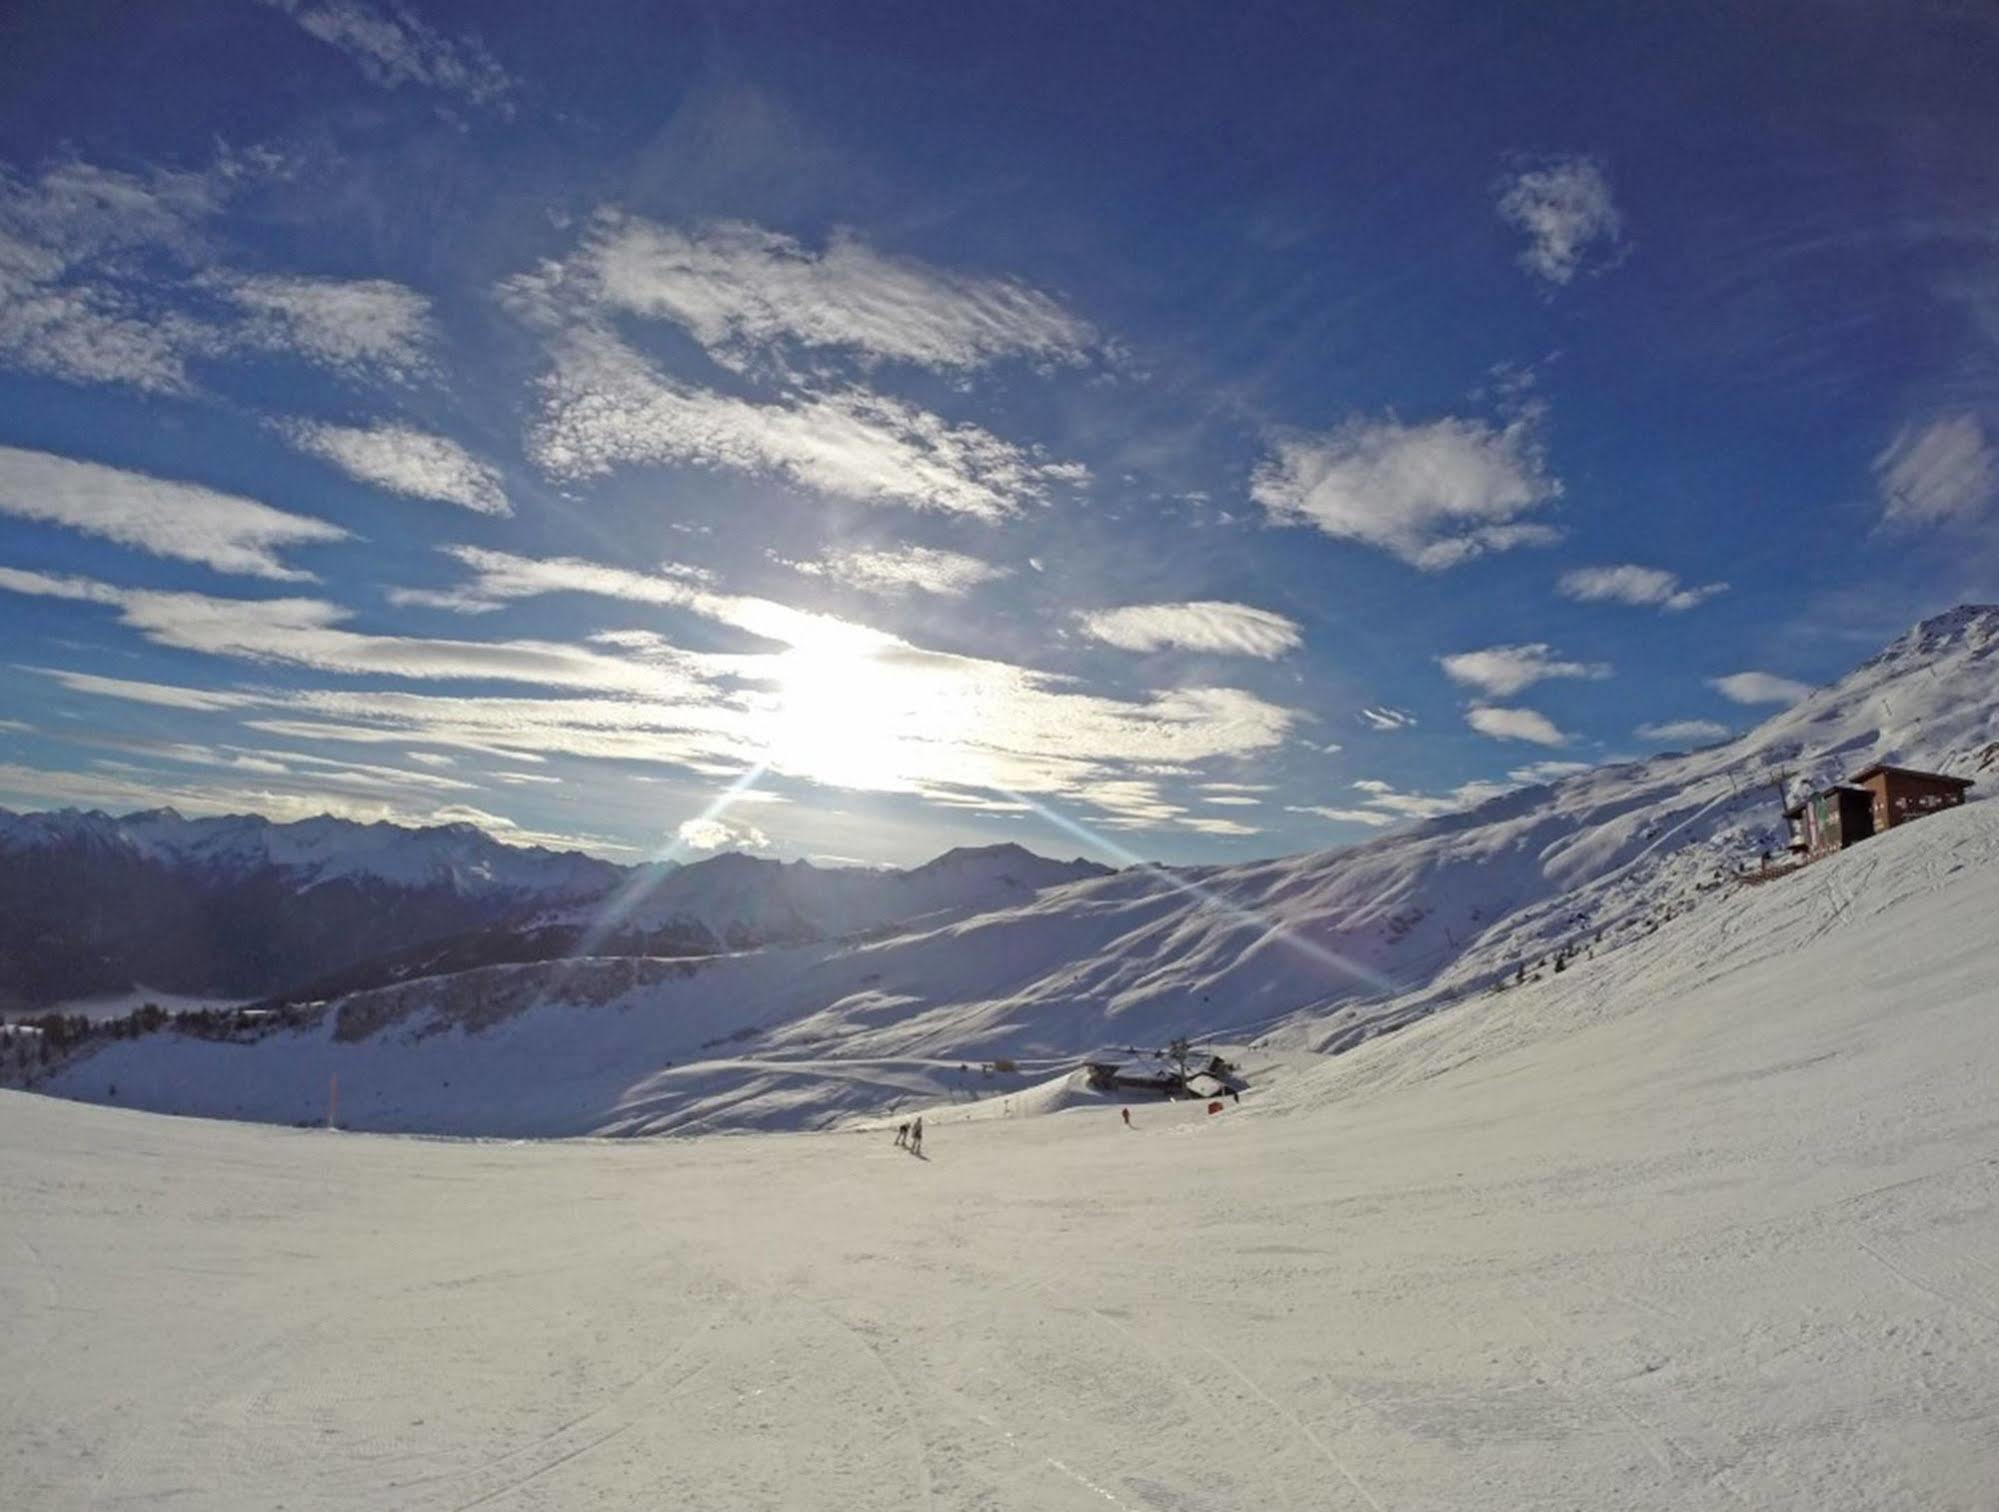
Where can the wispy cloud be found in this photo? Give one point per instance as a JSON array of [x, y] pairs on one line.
[[1503, 671], [605, 406], [1759, 688], [358, 328], [62, 313], [111, 277], [1385, 718], [1632, 584], [1203, 625], [741, 290], [405, 461], [1373, 818], [836, 703], [393, 48], [179, 520], [1947, 471], [1693, 731], [1434, 494], [1564, 208], [1514, 724], [891, 571]]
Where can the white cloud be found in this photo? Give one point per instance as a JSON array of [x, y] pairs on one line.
[[716, 834], [606, 407], [1434, 495], [179, 520], [308, 633], [898, 570], [739, 289], [1514, 724], [97, 285], [1948, 471], [64, 311], [1203, 625], [1632, 584], [1374, 818], [1385, 718], [405, 461], [1691, 731], [395, 48], [358, 328], [1565, 209], [836, 704], [1759, 688], [1504, 670], [1546, 771]]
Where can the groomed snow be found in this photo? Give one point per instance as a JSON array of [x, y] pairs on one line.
[[1710, 1223]]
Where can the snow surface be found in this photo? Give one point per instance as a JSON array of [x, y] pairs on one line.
[[1709, 1222], [1323, 951]]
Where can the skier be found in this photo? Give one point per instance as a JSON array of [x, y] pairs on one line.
[[1127, 1116], [916, 1136], [902, 1135]]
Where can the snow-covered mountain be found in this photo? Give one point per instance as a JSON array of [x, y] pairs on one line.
[[237, 905], [734, 901], [91, 903], [460, 858], [1319, 951]]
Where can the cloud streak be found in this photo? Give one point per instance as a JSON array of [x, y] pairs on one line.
[[1514, 724], [1207, 625], [1628, 583], [1759, 688], [740, 290], [892, 571], [1503, 671], [1435, 494], [179, 520], [1944, 473], [404, 461], [395, 48]]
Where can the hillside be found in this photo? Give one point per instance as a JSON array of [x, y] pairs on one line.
[[1705, 1223], [1314, 952]]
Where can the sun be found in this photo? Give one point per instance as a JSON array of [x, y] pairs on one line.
[[846, 717]]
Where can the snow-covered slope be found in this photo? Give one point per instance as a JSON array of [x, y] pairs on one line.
[[1708, 1222], [1319, 951]]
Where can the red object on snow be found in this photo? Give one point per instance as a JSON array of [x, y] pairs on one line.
[[1214, 1107]]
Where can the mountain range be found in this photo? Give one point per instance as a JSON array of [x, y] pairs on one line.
[[1317, 952]]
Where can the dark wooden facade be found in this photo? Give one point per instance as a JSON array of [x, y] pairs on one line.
[[1899, 794]]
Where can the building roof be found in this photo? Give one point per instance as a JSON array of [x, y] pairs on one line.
[[1901, 771]]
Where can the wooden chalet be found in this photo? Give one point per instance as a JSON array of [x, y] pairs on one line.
[[1877, 798]]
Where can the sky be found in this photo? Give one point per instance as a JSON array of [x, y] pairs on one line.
[[1161, 431]]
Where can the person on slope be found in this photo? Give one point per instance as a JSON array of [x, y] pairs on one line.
[[916, 1135], [902, 1135], [1127, 1116]]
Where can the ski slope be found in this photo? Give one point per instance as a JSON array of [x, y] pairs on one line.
[[1710, 1222]]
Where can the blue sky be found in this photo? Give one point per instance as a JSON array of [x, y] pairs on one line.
[[1175, 431]]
